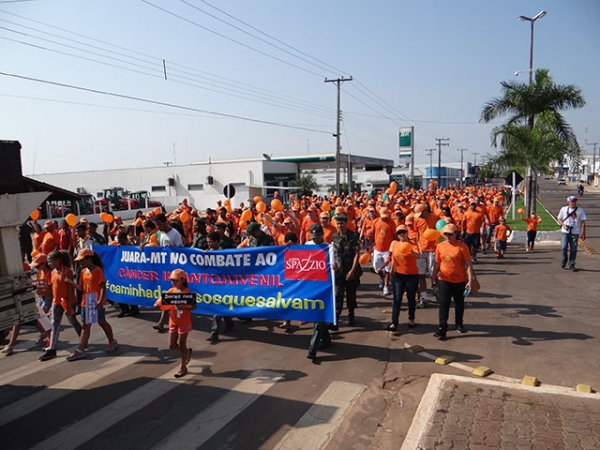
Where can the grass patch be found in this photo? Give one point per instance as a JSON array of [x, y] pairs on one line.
[[548, 222]]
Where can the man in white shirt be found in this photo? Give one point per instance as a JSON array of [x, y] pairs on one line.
[[169, 236], [572, 221]]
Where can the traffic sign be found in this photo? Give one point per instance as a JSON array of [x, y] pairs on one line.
[[229, 191]]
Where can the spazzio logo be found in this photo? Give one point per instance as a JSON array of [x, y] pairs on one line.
[[306, 265]]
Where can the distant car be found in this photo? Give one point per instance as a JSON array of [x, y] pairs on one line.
[[562, 181]]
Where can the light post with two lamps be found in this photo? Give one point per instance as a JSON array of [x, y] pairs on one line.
[[531, 181]]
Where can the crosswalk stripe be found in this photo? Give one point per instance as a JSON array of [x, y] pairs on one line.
[[30, 368], [52, 393], [104, 418], [207, 423], [317, 425]]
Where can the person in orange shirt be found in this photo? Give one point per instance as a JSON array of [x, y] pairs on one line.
[[63, 299], [424, 220], [383, 235], [472, 222], [138, 223], [50, 238], [494, 211], [366, 227], [532, 223], [328, 228], [453, 274], [93, 286], [501, 234], [312, 216], [405, 275], [180, 320]]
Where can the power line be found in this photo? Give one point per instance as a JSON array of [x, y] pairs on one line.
[[275, 39], [250, 34], [249, 47], [156, 102]]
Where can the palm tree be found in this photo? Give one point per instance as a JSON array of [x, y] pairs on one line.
[[306, 183], [525, 104]]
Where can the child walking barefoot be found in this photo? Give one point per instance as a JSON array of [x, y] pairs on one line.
[[180, 320]]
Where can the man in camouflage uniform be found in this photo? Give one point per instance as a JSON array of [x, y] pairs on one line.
[[257, 237], [346, 250]]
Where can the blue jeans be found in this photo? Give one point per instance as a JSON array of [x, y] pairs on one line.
[[569, 241], [401, 283]]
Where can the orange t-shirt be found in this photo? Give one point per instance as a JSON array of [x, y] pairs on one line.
[[451, 258], [179, 317], [93, 283], [404, 264], [384, 232], [473, 221], [531, 223], [494, 213], [328, 232], [422, 224], [501, 232], [60, 287], [50, 242], [43, 282], [306, 223]]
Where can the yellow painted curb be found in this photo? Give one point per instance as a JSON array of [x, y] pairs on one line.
[[530, 381], [415, 349], [444, 359], [585, 388], [483, 371]]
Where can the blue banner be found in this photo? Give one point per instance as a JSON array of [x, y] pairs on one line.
[[290, 283]]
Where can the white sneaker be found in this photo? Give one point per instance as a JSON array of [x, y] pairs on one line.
[[422, 304], [386, 290], [7, 349], [380, 284]]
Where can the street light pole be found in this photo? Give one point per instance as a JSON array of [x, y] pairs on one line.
[[531, 182], [462, 170], [338, 134], [430, 154]]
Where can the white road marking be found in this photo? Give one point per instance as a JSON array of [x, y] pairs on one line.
[[96, 423], [52, 393], [319, 423], [207, 423], [32, 367]]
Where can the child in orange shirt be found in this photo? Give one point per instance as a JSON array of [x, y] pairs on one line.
[[501, 233], [92, 282], [180, 320], [532, 223]]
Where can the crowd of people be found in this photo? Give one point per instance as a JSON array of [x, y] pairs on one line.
[[420, 243]]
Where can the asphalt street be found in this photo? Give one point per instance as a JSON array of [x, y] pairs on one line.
[[256, 389]]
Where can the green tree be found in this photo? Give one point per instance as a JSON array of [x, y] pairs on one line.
[[526, 104], [306, 183]]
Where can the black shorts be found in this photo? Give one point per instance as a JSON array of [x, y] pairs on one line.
[[473, 240]]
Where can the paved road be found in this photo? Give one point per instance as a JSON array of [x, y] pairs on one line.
[[256, 389]]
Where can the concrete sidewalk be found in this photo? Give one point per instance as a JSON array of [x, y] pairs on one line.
[[464, 413]]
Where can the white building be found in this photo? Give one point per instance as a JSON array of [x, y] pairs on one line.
[[203, 183]]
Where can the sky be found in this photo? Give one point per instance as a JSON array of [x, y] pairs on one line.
[[82, 82]]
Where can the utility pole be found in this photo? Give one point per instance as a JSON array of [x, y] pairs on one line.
[[338, 134], [462, 170], [430, 154], [441, 142], [594, 146], [475, 158]]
